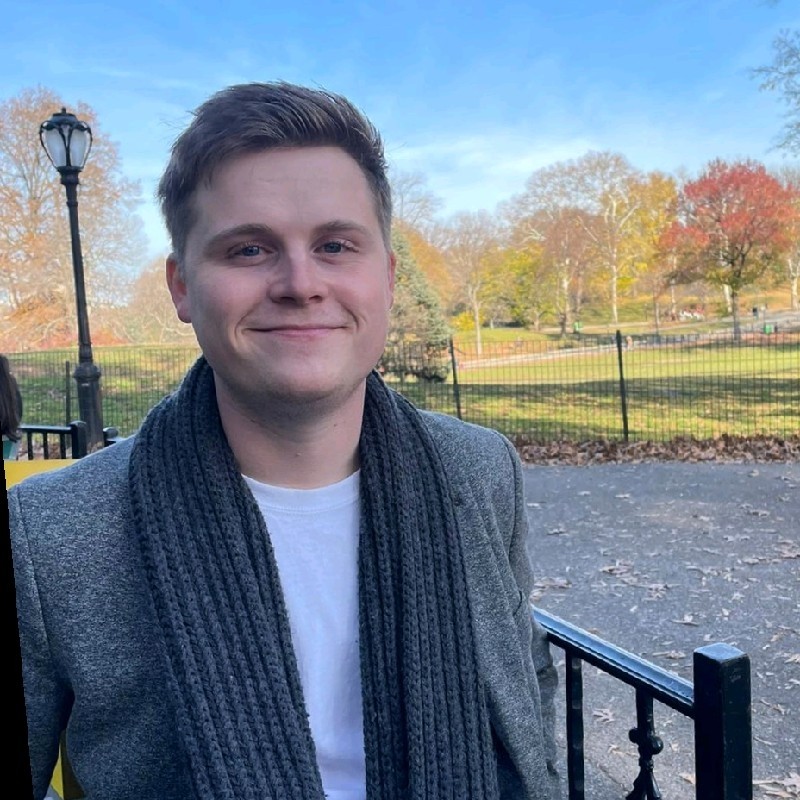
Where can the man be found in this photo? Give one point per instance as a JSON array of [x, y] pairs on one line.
[[289, 583]]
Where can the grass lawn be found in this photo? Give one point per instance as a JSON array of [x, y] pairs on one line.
[[523, 387]]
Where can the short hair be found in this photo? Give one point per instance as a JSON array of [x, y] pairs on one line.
[[251, 117]]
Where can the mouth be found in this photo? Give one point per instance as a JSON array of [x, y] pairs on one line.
[[298, 331]]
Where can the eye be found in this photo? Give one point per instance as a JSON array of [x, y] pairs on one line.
[[248, 250], [336, 246]]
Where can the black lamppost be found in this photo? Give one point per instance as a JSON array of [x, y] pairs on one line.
[[67, 142]]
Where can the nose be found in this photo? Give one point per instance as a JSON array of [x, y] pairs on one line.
[[297, 279]]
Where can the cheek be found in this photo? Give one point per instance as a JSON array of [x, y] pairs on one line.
[[223, 297]]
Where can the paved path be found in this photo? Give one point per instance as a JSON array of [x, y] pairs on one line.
[[664, 558]]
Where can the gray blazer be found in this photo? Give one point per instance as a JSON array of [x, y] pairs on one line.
[[91, 661]]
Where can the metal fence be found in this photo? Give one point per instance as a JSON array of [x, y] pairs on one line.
[[581, 388]]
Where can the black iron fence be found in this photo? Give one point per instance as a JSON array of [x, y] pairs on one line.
[[718, 701], [581, 388]]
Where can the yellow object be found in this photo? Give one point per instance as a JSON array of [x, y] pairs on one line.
[[17, 471]]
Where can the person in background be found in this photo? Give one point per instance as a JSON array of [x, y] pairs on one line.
[[290, 583], [10, 410]]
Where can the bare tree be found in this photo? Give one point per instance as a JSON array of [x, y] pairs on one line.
[[36, 284], [783, 76], [150, 316], [414, 205], [471, 242]]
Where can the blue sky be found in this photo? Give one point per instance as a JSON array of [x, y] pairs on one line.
[[475, 95]]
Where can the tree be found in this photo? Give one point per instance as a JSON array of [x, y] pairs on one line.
[[471, 242], [413, 204], [606, 183], [581, 210], [783, 76], [418, 330], [654, 202], [789, 178], [36, 282], [732, 226], [522, 285], [150, 316]]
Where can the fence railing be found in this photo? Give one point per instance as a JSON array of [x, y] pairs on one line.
[[582, 388], [718, 702]]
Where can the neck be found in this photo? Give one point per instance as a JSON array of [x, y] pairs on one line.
[[295, 447]]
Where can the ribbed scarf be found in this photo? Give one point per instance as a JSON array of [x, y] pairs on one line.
[[231, 669]]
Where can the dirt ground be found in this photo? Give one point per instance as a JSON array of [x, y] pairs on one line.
[[663, 558]]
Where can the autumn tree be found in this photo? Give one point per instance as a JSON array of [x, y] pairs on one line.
[[548, 221], [588, 203], [789, 178], [731, 227], [522, 285], [36, 282], [150, 317], [654, 198], [471, 243], [606, 183], [783, 76]]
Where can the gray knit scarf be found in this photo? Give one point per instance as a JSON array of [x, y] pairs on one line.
[[215, 589]]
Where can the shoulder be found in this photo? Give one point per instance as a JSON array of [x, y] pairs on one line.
[[481, 453], [96, 483]]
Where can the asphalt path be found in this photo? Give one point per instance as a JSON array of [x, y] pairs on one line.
[[663, 558]]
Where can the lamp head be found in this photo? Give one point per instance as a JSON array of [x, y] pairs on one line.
[[66, 140]]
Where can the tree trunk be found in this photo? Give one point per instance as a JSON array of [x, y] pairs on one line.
[[737, 325], [656, 313], [565, 311], [476, 315], [614, 310], [726, 290]]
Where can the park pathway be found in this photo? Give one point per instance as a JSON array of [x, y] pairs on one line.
[[662, 558]]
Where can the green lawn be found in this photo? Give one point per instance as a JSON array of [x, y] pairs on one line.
[[531, 388]]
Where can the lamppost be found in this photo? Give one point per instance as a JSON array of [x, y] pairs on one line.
[[67, 142]]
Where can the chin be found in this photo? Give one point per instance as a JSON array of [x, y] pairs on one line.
[[308, 389]]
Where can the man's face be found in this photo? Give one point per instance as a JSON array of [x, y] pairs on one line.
[[287, 280]]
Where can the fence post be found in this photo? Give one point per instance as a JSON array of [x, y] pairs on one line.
[[456, 389], [622, 391], [722, 724], [67, 393], [574, 719], [79, 436]]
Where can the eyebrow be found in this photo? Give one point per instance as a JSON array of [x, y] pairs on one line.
[[252, 230]]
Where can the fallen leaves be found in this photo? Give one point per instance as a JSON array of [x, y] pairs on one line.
[[617, 568], [603, 715], [726, 448], [781, 787], [688, 619], [672, 655]]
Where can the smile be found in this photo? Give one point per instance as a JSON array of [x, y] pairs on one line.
[[299, 331]]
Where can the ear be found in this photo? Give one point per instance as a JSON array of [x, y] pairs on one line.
[[178, 290], [391, 272]]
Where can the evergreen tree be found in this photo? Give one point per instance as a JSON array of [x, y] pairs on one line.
[[418, 329]]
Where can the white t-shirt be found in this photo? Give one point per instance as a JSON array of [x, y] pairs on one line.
[[314, 534]]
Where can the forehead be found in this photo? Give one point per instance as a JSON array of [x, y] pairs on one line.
[[287, 185], [287, 168]]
